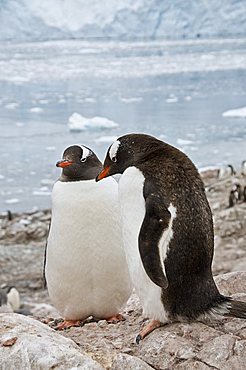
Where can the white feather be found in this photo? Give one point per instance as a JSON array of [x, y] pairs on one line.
[[133, 211], [86, 152], [86, 269], [113, 149]]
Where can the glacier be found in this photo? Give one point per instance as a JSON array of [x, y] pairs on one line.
[[23, 20]]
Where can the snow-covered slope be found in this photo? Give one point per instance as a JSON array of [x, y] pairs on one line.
[[22, 20]]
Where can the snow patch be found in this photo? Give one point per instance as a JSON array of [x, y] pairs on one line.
[[77, 122]]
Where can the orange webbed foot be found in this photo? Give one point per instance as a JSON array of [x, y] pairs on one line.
[[115, 319], [154, 324], [66, 324]]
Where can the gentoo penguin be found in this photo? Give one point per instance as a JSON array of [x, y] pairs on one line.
[[85, 265], [226, 171], [236, 194], [167, 231], [9, 299], [243, 168]]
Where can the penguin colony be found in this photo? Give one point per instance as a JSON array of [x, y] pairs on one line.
[[167, 233], [85, 266]]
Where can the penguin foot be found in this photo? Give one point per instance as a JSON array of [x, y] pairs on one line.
[[154, 324], [115, 319], [66, 324]]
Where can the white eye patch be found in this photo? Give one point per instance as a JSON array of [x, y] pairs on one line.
[[113, 150], [86, 153]]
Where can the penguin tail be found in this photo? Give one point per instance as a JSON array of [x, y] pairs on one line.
[[228, 307], [237, 309]]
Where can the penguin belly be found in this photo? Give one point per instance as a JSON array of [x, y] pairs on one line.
[[86, 270], [132, 205]]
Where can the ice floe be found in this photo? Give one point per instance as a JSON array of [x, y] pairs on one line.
[[44, 190], [36, 110], [184, 142], [106, 139], [12, 106], [172, 99], [19, 124], [12, 201], [89, 100], [236, 113], [77, 122], [131, 100], [47, 182], [50, 148]]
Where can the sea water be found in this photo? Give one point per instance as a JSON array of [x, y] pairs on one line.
[[174, 90]]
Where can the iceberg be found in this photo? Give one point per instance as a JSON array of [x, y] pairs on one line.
[[77, 122], [235, 113]]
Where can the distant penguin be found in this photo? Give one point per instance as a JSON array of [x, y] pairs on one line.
[[244, 194], [232, 199], [226, 171], [167, 231], [243, 168], [9, 299], [85, 265]]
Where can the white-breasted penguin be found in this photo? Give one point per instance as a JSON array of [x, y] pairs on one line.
[[9, 299], [167, 231], [85, 266]]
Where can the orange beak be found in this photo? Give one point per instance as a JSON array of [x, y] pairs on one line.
[[64, 163], [103, 173]]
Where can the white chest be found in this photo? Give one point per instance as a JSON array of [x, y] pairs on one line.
[[85, 262], [132, 205]]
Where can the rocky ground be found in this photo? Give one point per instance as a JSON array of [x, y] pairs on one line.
[[178, 346]]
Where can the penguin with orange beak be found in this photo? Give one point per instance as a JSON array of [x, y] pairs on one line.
[[167, 232], [85, 265]]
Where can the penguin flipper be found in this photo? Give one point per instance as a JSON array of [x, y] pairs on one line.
[[45, 257], [155, 222]]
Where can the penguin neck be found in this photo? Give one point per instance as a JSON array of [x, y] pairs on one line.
[[88, 174], [64, 178]]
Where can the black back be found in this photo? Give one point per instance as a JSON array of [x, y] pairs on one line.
[[172, 178]]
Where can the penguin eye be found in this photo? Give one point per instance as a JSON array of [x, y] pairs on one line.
[[83, 160], [114, 159]]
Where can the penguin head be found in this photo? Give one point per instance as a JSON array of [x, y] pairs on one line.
[[128, 150], [79, 163]]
